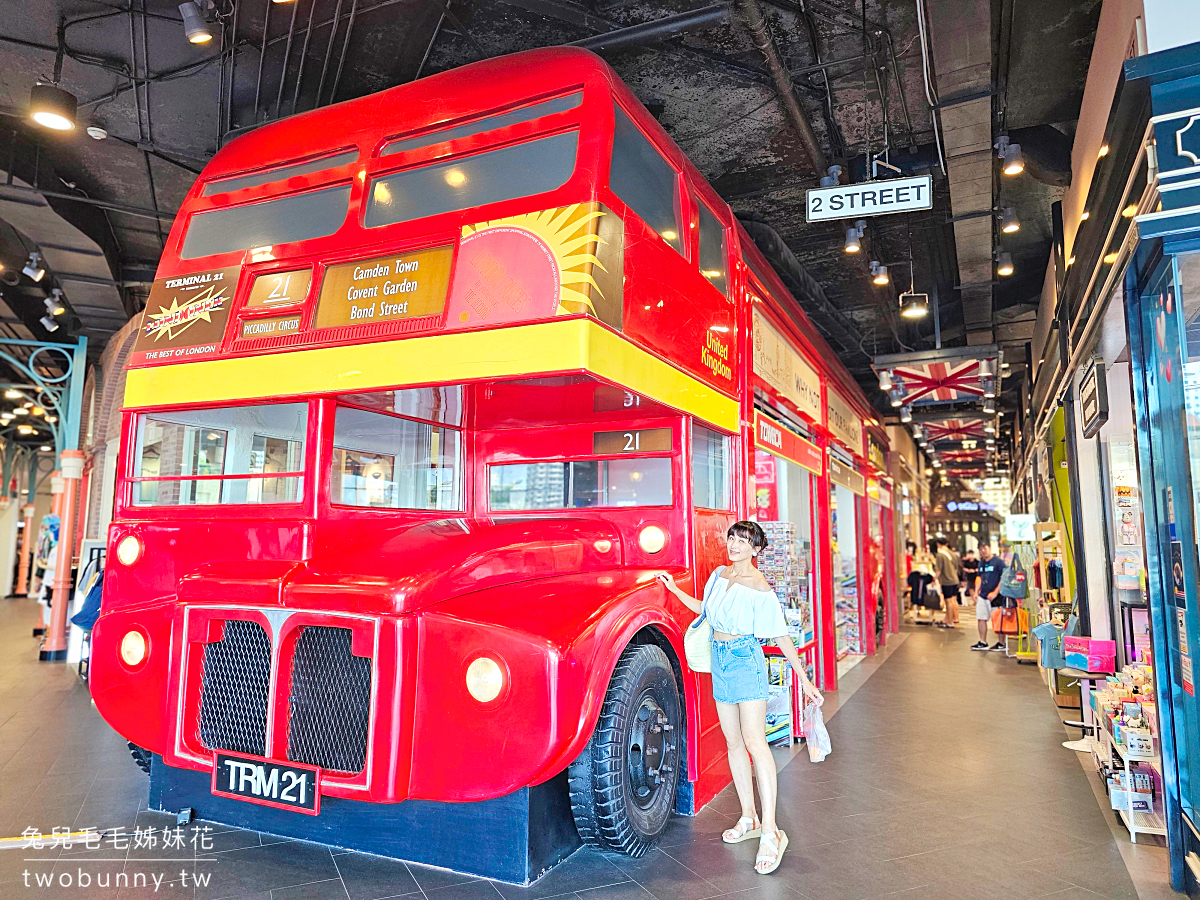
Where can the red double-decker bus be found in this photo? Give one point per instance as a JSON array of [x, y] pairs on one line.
[[430, 384]]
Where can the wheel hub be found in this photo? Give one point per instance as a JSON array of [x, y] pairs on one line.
[[650, 758]]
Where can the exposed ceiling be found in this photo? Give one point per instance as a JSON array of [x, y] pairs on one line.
[[856, 69]]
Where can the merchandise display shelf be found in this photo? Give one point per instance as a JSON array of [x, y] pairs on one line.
[[1136, 822]]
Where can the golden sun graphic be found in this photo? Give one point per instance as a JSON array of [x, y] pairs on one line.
[[175, 319], [570, 234]]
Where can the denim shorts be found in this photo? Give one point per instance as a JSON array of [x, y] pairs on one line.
[[739, 670]]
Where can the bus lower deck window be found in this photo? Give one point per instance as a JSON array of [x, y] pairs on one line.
[[228, 455], [581, 484], [384, 461]]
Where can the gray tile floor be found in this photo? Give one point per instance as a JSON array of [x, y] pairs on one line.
[[947, 780]]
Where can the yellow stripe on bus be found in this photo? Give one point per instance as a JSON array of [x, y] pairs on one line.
[[549, 347]]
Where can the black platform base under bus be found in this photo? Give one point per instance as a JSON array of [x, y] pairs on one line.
[[52, 655], [516, 838]]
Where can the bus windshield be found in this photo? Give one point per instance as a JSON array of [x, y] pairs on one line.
[[227, 455]]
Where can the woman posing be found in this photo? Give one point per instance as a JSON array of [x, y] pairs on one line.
[[741, 608]]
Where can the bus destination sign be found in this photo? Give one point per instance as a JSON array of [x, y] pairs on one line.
[[871, 198], [385, 289]]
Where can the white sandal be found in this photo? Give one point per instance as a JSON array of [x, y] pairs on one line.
[[742, 832], [780, 840]]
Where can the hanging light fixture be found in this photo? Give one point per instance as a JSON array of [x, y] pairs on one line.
[[1004, 264], [34, 268], [54, 303], [1012, 162], [989, 387], [52, 107], [194, 26], [914, 306], [885, 380], [896, 394], [905, 414], [49, 323], [1009, 223], [879, 273], [989, 407]]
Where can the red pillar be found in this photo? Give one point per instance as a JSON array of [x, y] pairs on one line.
[[55, 646], [21, 589]]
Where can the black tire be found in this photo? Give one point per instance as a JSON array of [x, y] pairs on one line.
[[141, 756], [623, 783]]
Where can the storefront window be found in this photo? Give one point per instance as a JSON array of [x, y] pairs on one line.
[[844, 524], [783, 500]]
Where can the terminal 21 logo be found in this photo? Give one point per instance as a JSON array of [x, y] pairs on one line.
[[175, 319], [185, 316]]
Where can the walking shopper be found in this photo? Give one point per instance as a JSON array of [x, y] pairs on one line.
[[741, 607], [970, 569], [949, 577], [987, 595]]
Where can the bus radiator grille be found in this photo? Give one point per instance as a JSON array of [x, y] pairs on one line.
[[330, 700], [234, 688]]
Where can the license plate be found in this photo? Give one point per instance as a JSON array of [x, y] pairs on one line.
[[258, 780]]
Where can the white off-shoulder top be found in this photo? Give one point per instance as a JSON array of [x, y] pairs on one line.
[[737, 609]]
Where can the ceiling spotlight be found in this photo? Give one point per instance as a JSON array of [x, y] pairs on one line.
[[1005, 365], [1130, 211], [20, 411], [830, 179], [96, 133], [54, 303], [1009, 223], [896, 394], [1004, 264], [854, 236], [25, 429], [1102, 152], [990, 440], [885, 380], [45, 448], [34, 268], [1013, 163], [914, 306], [1084, 216], [194, 26], [989, 387], [51, 419], [879, 274], [12, 394], [48, 323], [1110, 258], [52, 107], [906, 414], [989, 407]]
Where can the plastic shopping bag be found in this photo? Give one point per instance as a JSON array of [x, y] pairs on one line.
[[815, 733]]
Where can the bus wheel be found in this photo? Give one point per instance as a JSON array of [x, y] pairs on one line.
[[623, 783], [141, 756]]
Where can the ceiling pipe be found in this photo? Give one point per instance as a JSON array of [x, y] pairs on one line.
[[658, 29], [757, 26]]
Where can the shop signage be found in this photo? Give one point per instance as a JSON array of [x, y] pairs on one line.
[[279, 288], [785, 370], [1185, 672], [871, 198], [185, 316], [385, 288], [276, 326], [1093, 399], [1018, 528], [844, 423], [876, 453], [779, 441], [885, 495], [643, 440], [842, 474]]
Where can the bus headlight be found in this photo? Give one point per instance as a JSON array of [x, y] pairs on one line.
[[485, 679], [652, 539], [133, 648], [129, 550]]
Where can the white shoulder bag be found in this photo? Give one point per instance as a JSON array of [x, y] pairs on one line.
[[697, 641]]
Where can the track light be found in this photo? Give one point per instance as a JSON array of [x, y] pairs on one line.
[[194, 26], [989, 427], [1004, 264], [1013, 162], [896, 394], [914, 306], [989, 387], [49, 323], [34, 268], [989, 407], [54, 303], [830, 179], [885, 380], [906, 414], [879, 273], [25, 429], [1009, 223], [854, 236], [52, 107], [990, 441]]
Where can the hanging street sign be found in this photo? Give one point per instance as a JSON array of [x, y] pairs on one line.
[[870, 198]]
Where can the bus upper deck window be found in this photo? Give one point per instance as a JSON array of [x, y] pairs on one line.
[[645, 181], [488, 123], [534, 167], [382, 460], [233, 454], [297, 217], [256, 179], [712, 250]]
